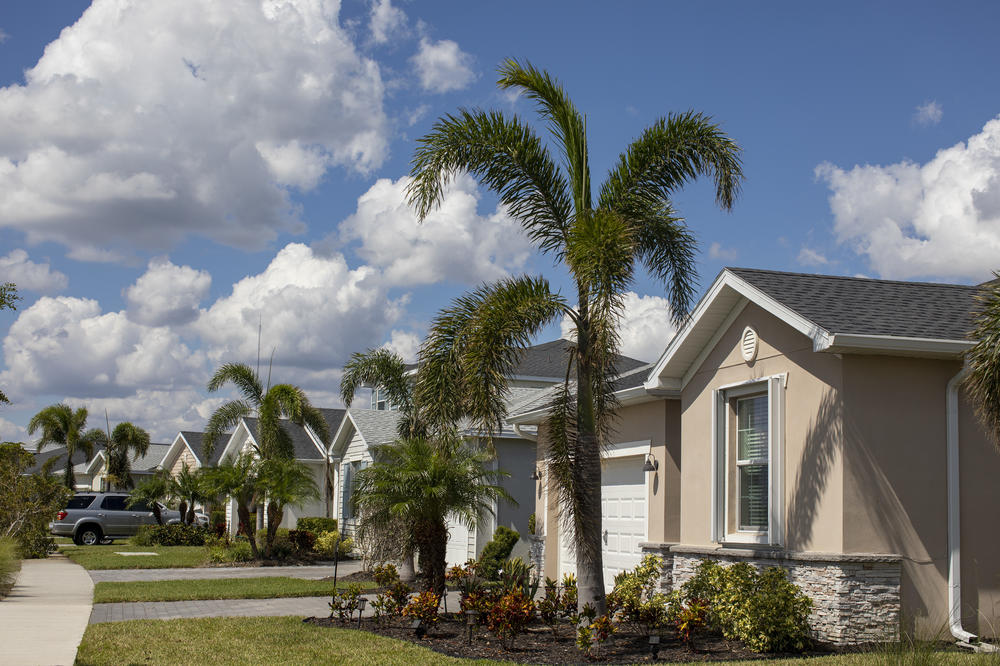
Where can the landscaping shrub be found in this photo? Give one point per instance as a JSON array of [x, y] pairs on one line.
[[496, 552], [326, 544], [424, 607], [302, 540], [176, 534], [569, 595], [10, 564], [550, 606], [27, 502], [236, 551], [385, 575], [345, 602], [390, 602], [317, 525], [509, 615], [590, 636], [635, 602], [516, 575], [764, 609]]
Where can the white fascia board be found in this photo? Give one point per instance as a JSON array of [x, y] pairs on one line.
[[629, 396], [89, 469], [315, 440], [891, 344], [714, 340], [345, 433], [226, 452]]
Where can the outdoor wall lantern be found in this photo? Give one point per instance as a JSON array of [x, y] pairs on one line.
[[651, 464], [535, 476]]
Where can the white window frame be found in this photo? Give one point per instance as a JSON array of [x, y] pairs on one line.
[[774, 387]]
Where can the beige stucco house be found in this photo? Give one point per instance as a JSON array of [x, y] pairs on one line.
[[815, 423]]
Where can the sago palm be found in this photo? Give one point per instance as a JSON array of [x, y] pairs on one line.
[[126, 439], [631, 225], [239, 478], [61, 425], [420, 483]]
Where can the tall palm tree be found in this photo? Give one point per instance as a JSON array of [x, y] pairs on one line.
[[385, 370], [285, 482], [632, 224], [269, 404], [239, 479], [62, 426], [982, 380], [421, 483], [126, 439]]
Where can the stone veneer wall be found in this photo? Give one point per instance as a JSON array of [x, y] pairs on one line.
[[855, 596]]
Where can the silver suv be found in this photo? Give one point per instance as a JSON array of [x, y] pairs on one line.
[[90, 518]]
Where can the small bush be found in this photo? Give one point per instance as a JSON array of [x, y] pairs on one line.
[[236, 551], [302, 540], [496, 552], [171, 535], [569, 595], [509, 615], [326, 545], [591, 636], [516, 575], [634, 600], [424, 607], [10, 564], [345, 602], [35, 543], [391, 601], [317, 525], [385, 575]]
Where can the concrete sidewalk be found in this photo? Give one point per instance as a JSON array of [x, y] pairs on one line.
[[172, 610], [201, 573], [43, 619]]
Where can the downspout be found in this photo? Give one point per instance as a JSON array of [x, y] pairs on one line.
[[955, 516]]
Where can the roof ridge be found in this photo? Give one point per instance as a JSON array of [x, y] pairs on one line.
[[852, 278]]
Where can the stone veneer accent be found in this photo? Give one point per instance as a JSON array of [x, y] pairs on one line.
[[536, 551], [855, 596]]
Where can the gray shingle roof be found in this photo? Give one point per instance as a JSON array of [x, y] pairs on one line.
[[377, 426], [303, 444], [549, 360], [542, 398], [48, 454], [865, 306], [197, 442], [333, 418], [154, 456]]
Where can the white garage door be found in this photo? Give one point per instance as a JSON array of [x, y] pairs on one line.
[[623, 518], [460, 543]]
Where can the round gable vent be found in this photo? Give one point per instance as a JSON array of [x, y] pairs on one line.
[[749, 344]]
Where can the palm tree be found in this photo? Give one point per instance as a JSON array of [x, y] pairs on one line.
[[385, 370], [239, 479], [421, 483], [126, 439], [632, 224], [982, 380], [62, 426], [188, 487], [8, 299], [285, 482], [151, 492]]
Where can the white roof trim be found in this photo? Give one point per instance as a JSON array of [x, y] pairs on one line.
[[173, 452], [226, 453], [89, 469], [891, 344], [337, 437]]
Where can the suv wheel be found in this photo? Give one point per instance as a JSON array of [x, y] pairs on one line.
[[88, 535]]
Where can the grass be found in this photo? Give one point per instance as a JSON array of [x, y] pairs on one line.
[[286, 640], [106, 557], [220, 588]]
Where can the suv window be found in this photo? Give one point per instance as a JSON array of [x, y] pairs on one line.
[[115, 503], [79, 502], [138, 506]]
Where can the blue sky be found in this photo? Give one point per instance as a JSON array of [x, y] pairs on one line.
[[173, 173]]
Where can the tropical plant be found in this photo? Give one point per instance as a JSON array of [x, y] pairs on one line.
[[982, 379], [473, 347], [27, 502], [496, 551], [239, 478], [285, 482], [125, 439], [151, 492], [188, 488], [420, 483], [8, 299], [270, 404], [62, 426], [330, 545], [386, 371]]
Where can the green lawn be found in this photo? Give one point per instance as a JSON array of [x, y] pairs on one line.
[[286, 640], [105, 557], [221, 588]]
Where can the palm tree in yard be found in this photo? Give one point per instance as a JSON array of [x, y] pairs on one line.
[[285, 482], [632, 224], [239, 479], [188, 488], [420, 483], [126, 439], [152, 492], [61, 425], [982, 380]]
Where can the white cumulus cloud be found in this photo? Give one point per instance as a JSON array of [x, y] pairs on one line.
[[404, 343], [940, 219], [929, 113], [167, 294], [145, 122], [11, 432], [810, 257], [644, 329], [28, 275], [454, 243], [386, 21], [717, 251], [442, 66]]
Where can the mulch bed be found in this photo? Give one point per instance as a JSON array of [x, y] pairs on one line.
[[538, 645]]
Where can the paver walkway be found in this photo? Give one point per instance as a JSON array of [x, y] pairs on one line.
[[43, 619], [202, 573], [172, 610]]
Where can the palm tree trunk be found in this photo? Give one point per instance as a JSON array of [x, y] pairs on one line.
[[249, 526], [274, 516], [156, 513], [69, 479], [182, 509], [589, 558], [432, 543]]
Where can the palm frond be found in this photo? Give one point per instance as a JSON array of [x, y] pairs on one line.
[[982, 380], [223, 420], [240, 375], [667, 248], [506, 156], [377, 368], [565, 122]]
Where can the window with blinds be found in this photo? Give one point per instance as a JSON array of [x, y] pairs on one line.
[[752, 462]]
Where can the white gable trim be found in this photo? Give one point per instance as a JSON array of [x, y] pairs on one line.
[[174, 451], [342, 439], [230, 449]]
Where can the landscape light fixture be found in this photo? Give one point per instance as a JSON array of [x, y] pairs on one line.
[[651, 464]]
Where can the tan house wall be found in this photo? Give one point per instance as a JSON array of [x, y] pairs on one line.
[[813, 469], [185, 457], [896, 487]]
